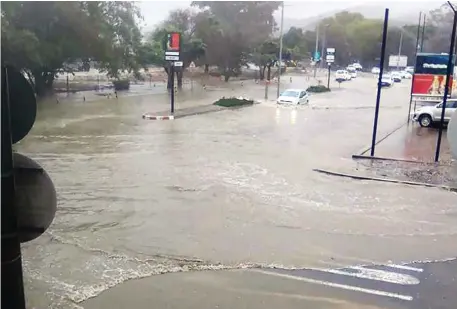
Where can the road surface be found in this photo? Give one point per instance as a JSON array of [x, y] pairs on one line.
[[227, 190]]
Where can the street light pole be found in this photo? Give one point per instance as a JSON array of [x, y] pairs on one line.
[[423, 34], [399, 49], [316, 49], [450, 69], [415, 57], [280, 48]]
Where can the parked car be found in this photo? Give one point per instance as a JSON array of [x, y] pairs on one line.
[[396, 76], [428, 115], [375, 70], [342, 75], [386, 80], [293, 96]]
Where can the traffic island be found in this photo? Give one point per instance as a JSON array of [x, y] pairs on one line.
[[219, 105]]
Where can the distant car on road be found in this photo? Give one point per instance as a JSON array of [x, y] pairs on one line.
[[342, 75], [386, 80], [410, 70], [396, 76], [352, 71], [375, 70], [357, 66], [293, 96], [406, 75], [428, 115]]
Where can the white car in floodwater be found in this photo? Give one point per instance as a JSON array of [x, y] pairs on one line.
[[293, 96]]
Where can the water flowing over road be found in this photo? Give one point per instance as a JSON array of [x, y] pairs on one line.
[[230, 189]]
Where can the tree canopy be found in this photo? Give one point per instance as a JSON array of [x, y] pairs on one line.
[[45, 38], [42, 38]]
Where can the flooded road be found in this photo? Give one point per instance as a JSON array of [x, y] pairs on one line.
[[231, 189]]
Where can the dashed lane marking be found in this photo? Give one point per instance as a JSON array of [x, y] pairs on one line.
[[340, 286]]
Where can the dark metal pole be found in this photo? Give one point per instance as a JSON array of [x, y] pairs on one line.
[[423, 34], [381, 69], [316, 50], [415, 56], [450, 68], [172, 72], [328, 77], [12, 282]]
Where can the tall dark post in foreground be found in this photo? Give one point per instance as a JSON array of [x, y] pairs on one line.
[[12, 282], [423, 34], [328, 77], [450, 69], [415, 56], [381, 70], [172, 72]]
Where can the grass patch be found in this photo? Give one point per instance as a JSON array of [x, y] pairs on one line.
[[233, 102], [318, 89]]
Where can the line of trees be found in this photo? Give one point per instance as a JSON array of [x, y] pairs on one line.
[[43, 38]]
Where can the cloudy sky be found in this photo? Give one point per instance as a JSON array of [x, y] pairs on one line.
[[156, 11]]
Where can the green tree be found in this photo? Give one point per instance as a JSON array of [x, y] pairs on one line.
[[41, 37], [236, 28]]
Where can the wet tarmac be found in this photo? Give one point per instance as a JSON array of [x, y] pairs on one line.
[[388, 286], [228, 190]]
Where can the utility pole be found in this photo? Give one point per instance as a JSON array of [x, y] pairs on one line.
[[280, 48], [423, 34], [399, 49], [316, 50], [415, 57]]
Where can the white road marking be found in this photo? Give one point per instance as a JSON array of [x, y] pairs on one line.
[[340, 286], [405, 267], [375, 274]]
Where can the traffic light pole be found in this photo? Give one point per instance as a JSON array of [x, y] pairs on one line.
[[12, 280]]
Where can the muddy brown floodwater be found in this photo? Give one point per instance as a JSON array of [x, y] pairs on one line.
[[224, 190]]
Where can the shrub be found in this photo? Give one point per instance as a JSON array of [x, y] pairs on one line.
[[121, 84], [318, 89], [233, 102]]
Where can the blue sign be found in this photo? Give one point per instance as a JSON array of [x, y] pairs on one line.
[[317, 56]]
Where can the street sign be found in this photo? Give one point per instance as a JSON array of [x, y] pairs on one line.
[[317, 56], [23, 107], [192, 65], [172, 46], [35, 198], [178, 63], [330, 55]]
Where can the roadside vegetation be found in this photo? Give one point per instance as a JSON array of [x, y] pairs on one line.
[[46, 38]]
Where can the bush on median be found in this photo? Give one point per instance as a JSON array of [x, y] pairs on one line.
[[233, 102], [318, 89], [121, 84]]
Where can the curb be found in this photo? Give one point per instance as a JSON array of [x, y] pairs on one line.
[[368, 148], [390, 180], [362, 157], [152, 117]]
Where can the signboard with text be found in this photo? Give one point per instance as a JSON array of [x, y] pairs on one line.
[[429, 79], [173, 46], [398, 61], [330, 55]]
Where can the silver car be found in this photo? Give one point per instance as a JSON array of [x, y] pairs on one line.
[[428, 115]]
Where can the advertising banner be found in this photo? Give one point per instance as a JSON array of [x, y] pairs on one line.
[[429, 79]]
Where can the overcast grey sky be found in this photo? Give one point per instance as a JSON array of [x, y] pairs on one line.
[[156, 11]]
